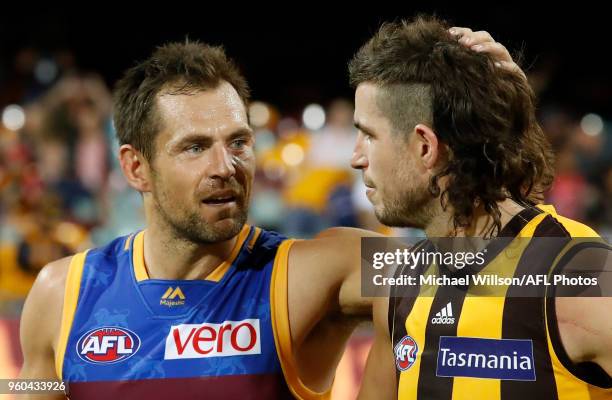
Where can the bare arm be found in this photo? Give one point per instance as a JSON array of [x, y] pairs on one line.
[[40, 322], [586, 336], [325, 303], [331, 265], [379, 381], [347, 248]]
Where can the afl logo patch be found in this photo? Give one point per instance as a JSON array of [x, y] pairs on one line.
[[406, 352], [107, 345]]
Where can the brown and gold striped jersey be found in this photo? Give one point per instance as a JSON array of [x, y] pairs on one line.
[[451, 343]]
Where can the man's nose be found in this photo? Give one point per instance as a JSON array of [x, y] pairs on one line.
[[221, 163], [359, 159]]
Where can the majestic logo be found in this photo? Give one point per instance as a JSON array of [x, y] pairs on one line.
[[508, 359], [444, 316], [170, 297], [406, 351], [229, 338], [107, 345]]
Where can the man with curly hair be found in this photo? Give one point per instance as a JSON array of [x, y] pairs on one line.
[[449, 143]]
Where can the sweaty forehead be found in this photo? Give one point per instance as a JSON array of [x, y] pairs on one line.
[[219, 106]]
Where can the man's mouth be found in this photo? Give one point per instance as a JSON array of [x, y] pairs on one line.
[[368, 184], [370, 189], [220, 198]]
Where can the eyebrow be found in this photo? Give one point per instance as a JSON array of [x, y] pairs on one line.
[[192, 138], [241, 133], [207, 140], [364, 129]]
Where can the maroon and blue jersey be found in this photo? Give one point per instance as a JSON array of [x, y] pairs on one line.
[[126, 336]]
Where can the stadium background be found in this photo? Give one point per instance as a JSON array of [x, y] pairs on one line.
[[62, 190]]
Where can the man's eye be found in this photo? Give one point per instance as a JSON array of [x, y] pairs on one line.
[[195, 148], [238, 144]]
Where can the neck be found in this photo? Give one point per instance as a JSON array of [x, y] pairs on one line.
[[170, 257], [441, 225]]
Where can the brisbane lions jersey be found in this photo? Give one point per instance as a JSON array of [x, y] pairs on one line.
[[126, 336]]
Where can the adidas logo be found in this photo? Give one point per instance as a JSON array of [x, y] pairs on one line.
[[444, 316]]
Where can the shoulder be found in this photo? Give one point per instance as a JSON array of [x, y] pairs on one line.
[[52, 279], [42, 313], [573, 228]]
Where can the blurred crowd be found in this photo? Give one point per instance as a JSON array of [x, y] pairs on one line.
[[62, 189]]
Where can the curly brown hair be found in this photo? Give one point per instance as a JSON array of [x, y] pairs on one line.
[[484, 114], [176, 68]]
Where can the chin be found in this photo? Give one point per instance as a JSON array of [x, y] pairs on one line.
[[388, 218], [228, 225], [382, 217]]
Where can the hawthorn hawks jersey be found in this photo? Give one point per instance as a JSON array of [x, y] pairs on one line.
[[451, 344]]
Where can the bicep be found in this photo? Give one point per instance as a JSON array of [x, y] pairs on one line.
[[350, 299], [325, 278], [359, 284], [343, 248]]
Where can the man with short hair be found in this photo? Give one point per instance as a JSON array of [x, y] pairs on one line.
[[199, 303]]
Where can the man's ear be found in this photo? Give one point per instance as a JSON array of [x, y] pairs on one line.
[[135, 167], [431, 150]]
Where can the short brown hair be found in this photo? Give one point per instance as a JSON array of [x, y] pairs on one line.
[[484, 114], [184, 67]]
